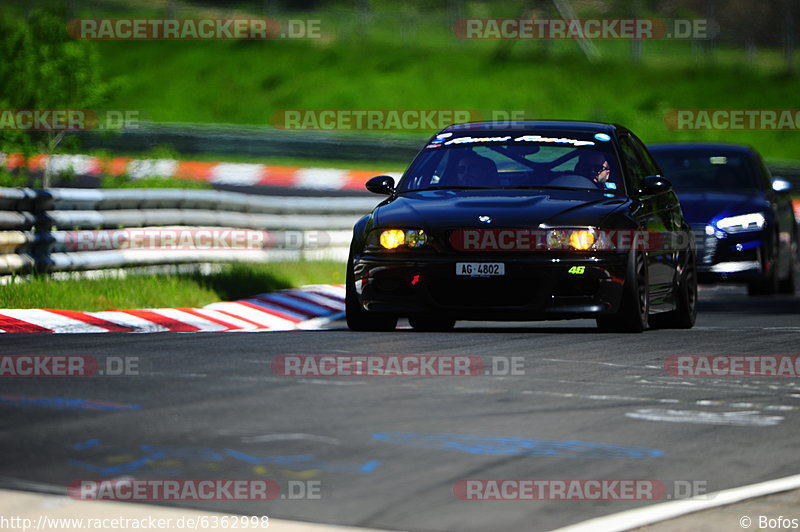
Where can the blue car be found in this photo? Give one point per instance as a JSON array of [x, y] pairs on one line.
[[742, 218]]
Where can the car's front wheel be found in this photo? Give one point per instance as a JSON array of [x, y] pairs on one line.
[[787, 286], [685, 313], [357, 318], [767, 283], [632, 316]]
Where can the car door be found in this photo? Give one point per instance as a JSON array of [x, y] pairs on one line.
[[653, 213]]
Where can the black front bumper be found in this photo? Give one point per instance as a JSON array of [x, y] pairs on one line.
[[533, 287]]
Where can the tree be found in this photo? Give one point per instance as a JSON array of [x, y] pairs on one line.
[[42, 67]]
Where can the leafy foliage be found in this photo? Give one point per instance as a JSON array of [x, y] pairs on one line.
[[42, 67]]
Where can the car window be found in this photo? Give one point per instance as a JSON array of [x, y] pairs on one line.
[[707, 170], [513, 166], [764, 176], [650, 166], [636, 167]]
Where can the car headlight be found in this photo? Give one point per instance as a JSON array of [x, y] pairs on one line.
[[742, 223], [573, 239], [394, 238]]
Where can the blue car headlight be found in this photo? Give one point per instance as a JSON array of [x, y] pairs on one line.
[[742, 223]]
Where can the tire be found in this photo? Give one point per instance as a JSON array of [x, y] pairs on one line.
[[787, 286], [685, 313], [767, 284], [431, 323], [632, 316], [357, 318]]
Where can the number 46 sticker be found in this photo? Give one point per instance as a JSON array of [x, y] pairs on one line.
[[577, 270]]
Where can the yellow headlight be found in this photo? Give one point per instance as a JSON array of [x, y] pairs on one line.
[[581, 239], [392, 238]]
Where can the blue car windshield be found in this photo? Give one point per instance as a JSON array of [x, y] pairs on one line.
[[713, 171], [514, 165]]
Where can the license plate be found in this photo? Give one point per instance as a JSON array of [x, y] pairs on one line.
[[480, 269]]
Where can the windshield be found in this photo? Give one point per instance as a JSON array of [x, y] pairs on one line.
[[513, 165], [707, 170]]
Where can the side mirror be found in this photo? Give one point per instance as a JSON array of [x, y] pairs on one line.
[[655, 184], [780, 184], [382, 184]]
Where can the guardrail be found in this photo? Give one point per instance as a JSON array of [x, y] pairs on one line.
[[87, 229], [262, 141]]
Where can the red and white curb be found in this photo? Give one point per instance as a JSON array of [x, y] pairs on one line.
[[222, 173], [309, 307]]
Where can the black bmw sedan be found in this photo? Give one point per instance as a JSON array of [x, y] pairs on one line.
[[520, 221], [743, 220]]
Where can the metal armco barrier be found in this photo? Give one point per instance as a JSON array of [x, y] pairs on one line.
[[88, 229], [268, 141], [262, 141]]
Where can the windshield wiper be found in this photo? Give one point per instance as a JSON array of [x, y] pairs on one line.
[[527, 187], [445, 187]]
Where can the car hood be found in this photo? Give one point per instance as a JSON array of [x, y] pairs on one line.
[[506, 208], [704, 207]]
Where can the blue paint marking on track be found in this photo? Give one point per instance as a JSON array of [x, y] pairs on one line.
[[88, 444], [176, 451], [145, 457], [497, 445], [128, 467], [367, 467], [260, 460], [65, 403]]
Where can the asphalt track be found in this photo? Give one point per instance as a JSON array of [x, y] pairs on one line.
[[387, 451]]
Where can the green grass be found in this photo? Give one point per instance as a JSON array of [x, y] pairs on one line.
[[16, 179], [234, 281], [436, 72], [405, 56], [124, 181], [393, 55]]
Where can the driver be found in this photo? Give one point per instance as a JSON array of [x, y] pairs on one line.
[[594, 165], [474, 170]]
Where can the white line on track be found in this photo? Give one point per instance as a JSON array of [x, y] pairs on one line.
[[747, 418], [655, 513]]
